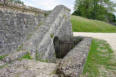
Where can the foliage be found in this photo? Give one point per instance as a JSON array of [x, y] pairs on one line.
[[51, 35], [80, 24], [16, 1], [2, 57], [26, 56], [95, 9]]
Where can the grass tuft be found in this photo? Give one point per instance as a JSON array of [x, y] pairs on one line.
[[26, 56], [2, 57]]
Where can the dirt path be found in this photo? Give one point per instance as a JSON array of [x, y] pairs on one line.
[[109, 37]]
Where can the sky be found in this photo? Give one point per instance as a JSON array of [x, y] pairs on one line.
[[50, 4]]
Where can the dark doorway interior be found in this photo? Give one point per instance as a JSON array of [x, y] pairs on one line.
[[62, 47]]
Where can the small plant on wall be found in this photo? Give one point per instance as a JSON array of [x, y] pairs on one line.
[[51, 35]]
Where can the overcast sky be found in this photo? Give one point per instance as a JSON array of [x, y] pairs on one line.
[[50, 4]]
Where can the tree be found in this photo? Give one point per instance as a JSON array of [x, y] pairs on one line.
[[16, 1], [84, 8], [95, 9], [111, 17]]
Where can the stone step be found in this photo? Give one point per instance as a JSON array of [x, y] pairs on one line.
[[29, 68]]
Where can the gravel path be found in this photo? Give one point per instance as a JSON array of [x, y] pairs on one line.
[[109, 37]]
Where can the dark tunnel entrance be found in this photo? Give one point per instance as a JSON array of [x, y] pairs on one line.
[[62, 47]]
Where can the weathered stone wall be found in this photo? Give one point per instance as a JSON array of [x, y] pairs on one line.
[[26, 29], [20, 7], [29, 30], [57, 24], [17, 24]]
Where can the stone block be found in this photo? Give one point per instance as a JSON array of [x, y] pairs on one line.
[[72, 64]]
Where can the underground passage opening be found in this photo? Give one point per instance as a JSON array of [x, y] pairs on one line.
[[62, 47]]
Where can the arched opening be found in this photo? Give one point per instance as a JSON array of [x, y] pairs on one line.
[[57, 47]]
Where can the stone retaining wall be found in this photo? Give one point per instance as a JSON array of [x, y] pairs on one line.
[[57, 24], [29, 30], [32, 33], [73, 63], [17, 24], [20, 7]]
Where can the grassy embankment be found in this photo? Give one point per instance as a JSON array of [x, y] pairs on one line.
[[80, 24], [101, 61]]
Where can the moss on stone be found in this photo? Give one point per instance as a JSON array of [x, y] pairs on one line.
[[20, 47], [40, 23], [3, 66], [38, 57], [65, 16], [29, 36], [51, 35], [26, 56], [2, 57]]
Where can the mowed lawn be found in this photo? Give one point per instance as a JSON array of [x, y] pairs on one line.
[[80, 24]]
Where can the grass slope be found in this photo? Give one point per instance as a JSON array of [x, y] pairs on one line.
[[100, 56], [80, 24]]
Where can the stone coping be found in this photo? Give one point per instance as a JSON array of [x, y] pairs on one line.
[[73, 63], [21, 7]]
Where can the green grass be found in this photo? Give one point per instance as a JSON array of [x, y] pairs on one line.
[[2, 57], [80, 24], [26, 56], [97, 58]]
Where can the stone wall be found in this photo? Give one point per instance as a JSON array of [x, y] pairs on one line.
[[57, 24], [17, 24], [20, 7], [28, 29]]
